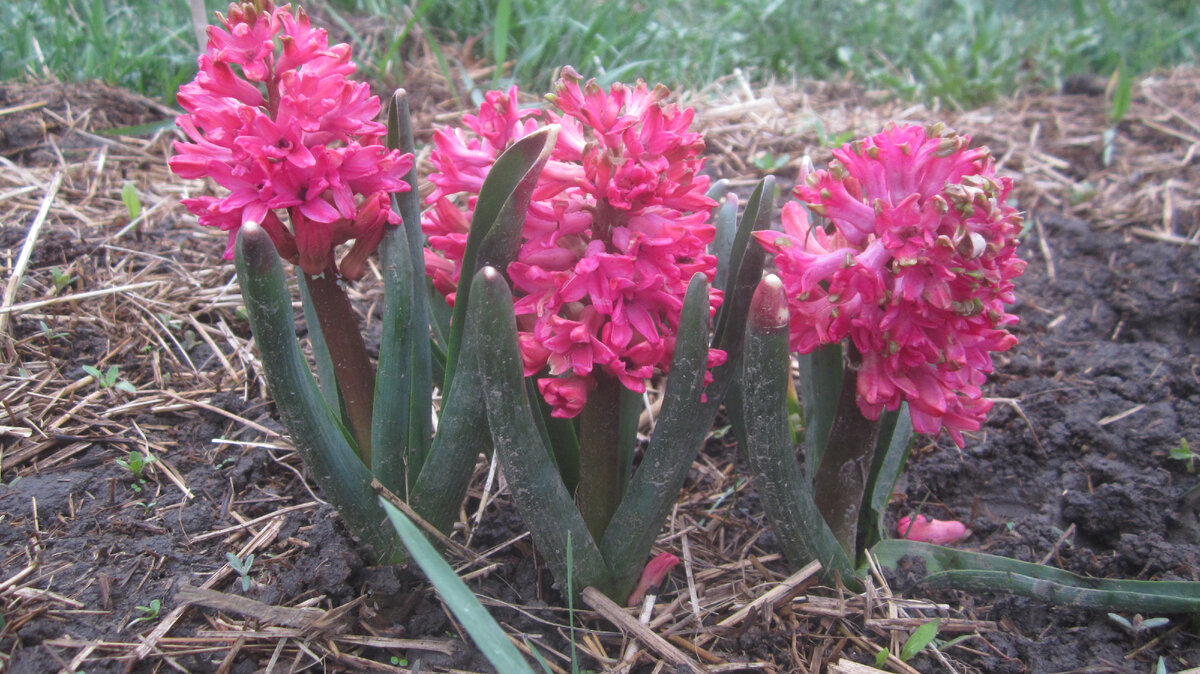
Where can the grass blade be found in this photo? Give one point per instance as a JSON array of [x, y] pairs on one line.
[[484, 631]]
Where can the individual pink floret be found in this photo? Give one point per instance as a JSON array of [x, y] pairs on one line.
[[272, 117], [926, 530], [916, 270], [618, 225]]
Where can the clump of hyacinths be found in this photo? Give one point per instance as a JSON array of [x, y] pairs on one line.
[[274, 118], [895, 296], [605, 287]]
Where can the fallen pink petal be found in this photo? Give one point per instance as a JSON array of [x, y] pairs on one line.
[[926, 530], [653, 576]]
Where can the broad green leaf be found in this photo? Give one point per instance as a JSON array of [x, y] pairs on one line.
[[745, 266], [326, 379], [891, 454], [786, 494], [678, 434], [404, 394], [819, 382], [438, 491], [722, 245], [533, 478], [321, 440], [484, 631], [497, 222], [975, 572]]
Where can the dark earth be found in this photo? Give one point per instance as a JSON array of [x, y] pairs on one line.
[[1073, 467]]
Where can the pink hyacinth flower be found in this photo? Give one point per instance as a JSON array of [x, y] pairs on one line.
[[916, 271], [618, 224], [273, 118], [926, 530]]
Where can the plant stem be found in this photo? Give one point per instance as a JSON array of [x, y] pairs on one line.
[[600, 482], [841, 477], [353, 369]]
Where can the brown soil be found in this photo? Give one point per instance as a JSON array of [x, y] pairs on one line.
[[1073, 467]]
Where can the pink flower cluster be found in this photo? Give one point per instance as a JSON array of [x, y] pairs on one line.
[[286, 130], [617, 226], [916, 270]]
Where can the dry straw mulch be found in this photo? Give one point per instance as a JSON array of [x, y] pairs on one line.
[[143, 285]]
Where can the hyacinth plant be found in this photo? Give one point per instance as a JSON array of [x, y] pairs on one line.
[[895, 300], [606, 286], [895, 297], [274, 118]]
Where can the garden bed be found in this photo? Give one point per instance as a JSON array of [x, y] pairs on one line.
[[1073, 469]]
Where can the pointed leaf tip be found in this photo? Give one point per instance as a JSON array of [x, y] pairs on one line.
[[768, 307], [257, 247]]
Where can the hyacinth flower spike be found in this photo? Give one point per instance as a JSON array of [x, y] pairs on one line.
[[274, 118], [607, 287], [897, 298]]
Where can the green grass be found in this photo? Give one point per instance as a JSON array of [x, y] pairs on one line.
[[146, 46], [961, 52]]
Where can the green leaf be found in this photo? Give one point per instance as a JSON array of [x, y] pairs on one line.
[[533, 479], [819, 383], [404, 389], [678, 434], [891, 454], [1122, 94], [496, 225], [727, 226], [919, 639], [326, 379], [745, 266], [462, 435], [133, 204], [482, 627], [974, 572], [320, 439], [558, 434], [786, 494]]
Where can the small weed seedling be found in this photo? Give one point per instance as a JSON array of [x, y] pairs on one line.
[[769, 163], [133, 204], [1183, 452], [48, 333], [110, 378], [61, 279], [242, 568], [136, 464], [917, 641], [149, 613], [1136, 625]]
